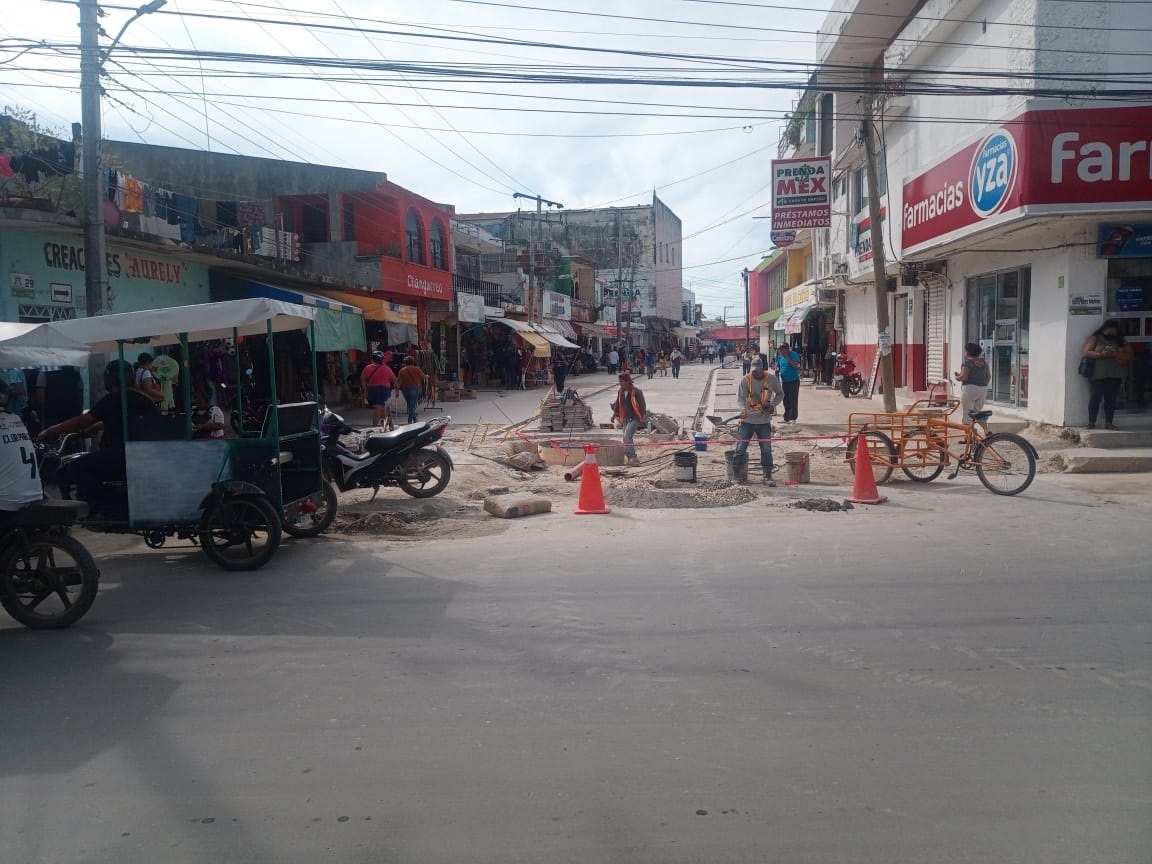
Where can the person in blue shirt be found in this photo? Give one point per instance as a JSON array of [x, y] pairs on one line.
[[788, 368], [17, 391]]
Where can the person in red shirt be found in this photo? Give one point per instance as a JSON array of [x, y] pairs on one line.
[[378, 379]]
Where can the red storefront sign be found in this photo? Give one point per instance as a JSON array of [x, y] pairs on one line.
[[414, 280], [1050, 161]]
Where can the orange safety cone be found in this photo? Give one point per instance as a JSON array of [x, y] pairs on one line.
[[591, 498], [864, 485]]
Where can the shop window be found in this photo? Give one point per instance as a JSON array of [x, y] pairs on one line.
[[997, 306], [414, 236], [859, 190], [349, 227], [824, 145], [314, 223], [438, 258]]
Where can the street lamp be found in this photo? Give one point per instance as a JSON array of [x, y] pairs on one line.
[[91, 65]]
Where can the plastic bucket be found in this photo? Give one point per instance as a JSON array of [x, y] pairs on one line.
[[799, 467], [736, 467], [701, 442], [684, 467]]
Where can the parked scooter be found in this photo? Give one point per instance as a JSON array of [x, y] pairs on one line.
[[845, 378], [408, 457]]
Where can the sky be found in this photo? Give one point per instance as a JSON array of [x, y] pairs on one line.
[[462, 101]]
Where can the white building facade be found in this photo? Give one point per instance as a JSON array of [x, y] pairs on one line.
[[1017, 209]]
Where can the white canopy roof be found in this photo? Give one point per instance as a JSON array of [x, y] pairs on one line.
[[39, 345], [201, 322]]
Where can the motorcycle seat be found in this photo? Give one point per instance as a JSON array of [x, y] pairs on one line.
[[387, 440], [50, 511]]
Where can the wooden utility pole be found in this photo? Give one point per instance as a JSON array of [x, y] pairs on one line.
[[879, 268]]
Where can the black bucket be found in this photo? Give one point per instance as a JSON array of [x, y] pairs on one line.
[[736, 467], [684, 467]]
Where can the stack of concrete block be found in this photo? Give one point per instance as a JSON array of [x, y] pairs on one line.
[[557, 416]]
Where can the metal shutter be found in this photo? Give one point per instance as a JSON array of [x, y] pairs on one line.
[[935, 336]]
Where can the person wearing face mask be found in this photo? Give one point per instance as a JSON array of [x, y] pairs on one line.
[[1108, 351]]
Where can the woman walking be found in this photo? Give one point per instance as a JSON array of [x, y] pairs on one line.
[[973, 376], [410, 380], [1108, 351]]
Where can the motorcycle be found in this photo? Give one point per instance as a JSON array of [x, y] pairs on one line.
[[408, 457], [47, 578], [845, 378]]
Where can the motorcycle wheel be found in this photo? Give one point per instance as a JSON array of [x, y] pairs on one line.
[[240, 533], [845, 387], [48, 581], [425, 473], [855, 384], [320, 520]]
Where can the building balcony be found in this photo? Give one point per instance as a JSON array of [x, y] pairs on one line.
[[493, 293]]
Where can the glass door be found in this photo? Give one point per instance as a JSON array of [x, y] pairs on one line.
[[997, 318]]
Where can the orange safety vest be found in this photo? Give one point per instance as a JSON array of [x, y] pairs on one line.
[[636, 406], [763, 403]]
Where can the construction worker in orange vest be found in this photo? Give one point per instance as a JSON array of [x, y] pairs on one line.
[[759, 394], [629, 411]]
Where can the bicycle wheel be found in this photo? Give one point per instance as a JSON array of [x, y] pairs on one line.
[[320, 519], [47, 580], [1004, 463], [240, 533], [881, 450], [920, 456]]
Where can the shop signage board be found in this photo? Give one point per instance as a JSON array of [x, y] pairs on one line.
[[801, 295], [1042, 161], [61, 292], [783, 239], [470, 308], [22, 284], [1086, 303], [557, 305], [801, 193], [1124, 241]]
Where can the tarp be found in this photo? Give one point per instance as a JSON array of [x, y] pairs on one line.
[[201, 322], [24, 345], [374, 308], [513, 324], [555, 338], [594, 330], [560, 326], [791, 320], [339, 325]]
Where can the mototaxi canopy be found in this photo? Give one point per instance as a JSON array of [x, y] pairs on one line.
[[28, 345]]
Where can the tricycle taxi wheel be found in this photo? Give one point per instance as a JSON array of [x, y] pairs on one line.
[[318, 521], [920, 456], [425, 473], [882, 451], [47, 580], [240, 532]]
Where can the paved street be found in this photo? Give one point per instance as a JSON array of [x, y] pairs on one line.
[[950, 677]]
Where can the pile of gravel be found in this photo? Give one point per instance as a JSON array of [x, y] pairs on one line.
[[822, 505], [660, 494], [375, 523]]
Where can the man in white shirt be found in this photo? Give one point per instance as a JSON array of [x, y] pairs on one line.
[[19, 474], [613, 361]]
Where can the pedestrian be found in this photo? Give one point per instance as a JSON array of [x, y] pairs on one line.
[[614, 361], [720, 352], [649, 363], [144, 380], [1109, 352], [788, 366], [629, 411], [377, 381], [207, 419], [559, 371], [410, 380], [662, 364], [973, 376], [677, 358], [17, 391], [746, 361], [759, 393]]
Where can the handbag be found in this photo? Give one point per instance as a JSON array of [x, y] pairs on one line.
[[1087, 367]]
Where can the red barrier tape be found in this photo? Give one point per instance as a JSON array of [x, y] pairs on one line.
[[683, 444]]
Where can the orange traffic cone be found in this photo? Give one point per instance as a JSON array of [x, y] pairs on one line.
[[864, 485], [591, 498]]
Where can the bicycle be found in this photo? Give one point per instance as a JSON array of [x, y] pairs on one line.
[[1004, 462]]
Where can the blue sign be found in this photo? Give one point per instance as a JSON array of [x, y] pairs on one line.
[[1124, 241], [1130, 297], [993, 173]]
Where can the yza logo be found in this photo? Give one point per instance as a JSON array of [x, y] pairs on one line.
[[993, 173]]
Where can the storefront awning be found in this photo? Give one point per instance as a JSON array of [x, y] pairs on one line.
[[555, 338], [512, 324], [768, 318], [791, 320], [540, 345], [594, 330], [560, 326], [338, 325]]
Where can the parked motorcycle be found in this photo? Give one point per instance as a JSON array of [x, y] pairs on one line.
[[845, 378], [408, 457], [47, 578]]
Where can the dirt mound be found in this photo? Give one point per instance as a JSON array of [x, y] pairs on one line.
[[660, 494]]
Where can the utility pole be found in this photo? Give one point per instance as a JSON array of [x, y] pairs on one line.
[[532, 296], [620, 276], [879, 268], [95, 268], [747, 320]]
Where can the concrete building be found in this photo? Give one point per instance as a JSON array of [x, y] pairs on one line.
[[1023, 199]]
